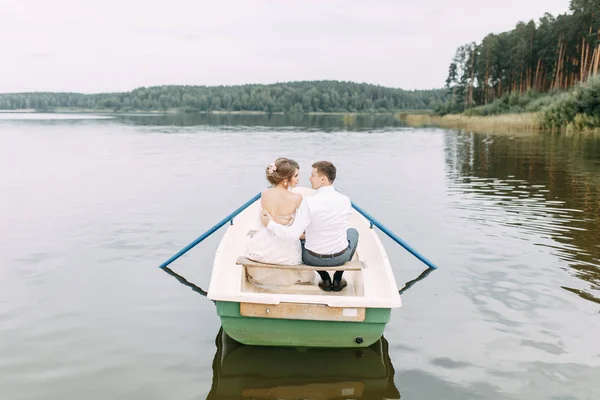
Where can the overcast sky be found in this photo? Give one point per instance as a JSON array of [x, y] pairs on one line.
[[102, 46]]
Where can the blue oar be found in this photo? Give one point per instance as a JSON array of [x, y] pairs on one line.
[[393, 236], [209, 232]]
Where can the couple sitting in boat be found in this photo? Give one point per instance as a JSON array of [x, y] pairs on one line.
[[312, 230]]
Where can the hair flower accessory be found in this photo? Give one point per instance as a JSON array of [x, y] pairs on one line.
[[271, 168]]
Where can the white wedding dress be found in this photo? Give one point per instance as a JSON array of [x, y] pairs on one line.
[[267, 248]]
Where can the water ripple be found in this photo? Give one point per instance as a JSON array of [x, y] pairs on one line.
[[551, 213]]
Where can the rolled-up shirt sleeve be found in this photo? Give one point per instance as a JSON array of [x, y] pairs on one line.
[[301, 220]]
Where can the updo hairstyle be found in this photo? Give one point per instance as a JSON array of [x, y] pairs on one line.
[[280, 170]]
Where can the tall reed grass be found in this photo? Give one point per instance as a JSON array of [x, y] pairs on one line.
[[525, 122]]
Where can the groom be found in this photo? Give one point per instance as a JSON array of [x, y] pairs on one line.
[[323, 218]]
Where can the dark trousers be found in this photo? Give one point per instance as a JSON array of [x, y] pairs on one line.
[[310, 259]]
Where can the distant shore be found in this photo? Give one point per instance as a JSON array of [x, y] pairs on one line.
[[178, 111], [503, 123]]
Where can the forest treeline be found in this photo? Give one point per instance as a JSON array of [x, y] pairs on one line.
[[292, 97], [551, 56]]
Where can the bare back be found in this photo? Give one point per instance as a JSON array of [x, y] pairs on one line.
[[281, 204]]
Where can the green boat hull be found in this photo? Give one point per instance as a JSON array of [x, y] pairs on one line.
[[302, 333]]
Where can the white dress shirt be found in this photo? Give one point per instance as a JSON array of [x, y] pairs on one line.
[[323, 217]]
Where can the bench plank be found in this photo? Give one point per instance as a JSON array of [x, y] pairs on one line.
[[349, 266], [313, 312]]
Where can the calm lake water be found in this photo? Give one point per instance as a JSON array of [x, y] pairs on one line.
[[90, 207]]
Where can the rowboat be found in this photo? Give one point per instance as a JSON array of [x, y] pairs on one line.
[[302, 315], [278, 373]]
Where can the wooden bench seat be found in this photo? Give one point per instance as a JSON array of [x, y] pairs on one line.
[[349, 266]]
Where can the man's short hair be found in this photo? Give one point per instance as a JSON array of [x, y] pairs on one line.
[[325, 168]]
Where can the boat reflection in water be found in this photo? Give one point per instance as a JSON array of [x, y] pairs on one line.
[[256, 372]]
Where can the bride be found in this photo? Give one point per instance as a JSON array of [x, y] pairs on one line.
[[281, 202]]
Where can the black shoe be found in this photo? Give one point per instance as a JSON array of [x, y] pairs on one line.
[[339, 285], [325, 285]]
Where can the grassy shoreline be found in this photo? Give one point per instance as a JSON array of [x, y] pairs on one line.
[[576, 110], [513, 123], [502, 123]]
